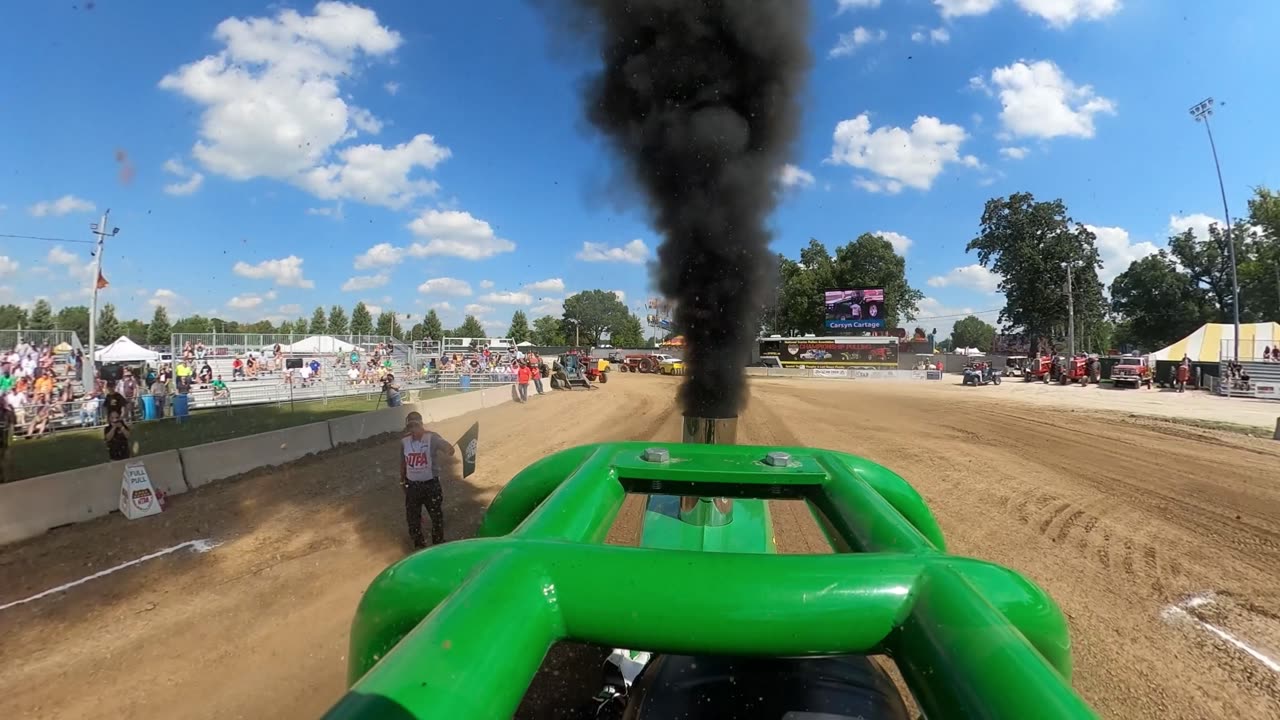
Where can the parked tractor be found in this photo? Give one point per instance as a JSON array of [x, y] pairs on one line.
[[1042, 369], [643, 363], [1081, 368], [1132, 371], [459, 630]]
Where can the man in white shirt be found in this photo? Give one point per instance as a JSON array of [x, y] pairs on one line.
[[421, 481]]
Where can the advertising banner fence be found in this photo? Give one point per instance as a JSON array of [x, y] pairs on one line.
[[831, 352]]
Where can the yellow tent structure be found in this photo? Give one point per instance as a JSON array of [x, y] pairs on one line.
[[1206, 345]]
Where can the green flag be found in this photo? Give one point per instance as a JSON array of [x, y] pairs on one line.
[[469, 443]]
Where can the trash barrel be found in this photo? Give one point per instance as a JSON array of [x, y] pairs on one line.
[[148, 407], [180, 407], [465, 382]]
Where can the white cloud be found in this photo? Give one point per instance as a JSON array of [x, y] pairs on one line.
[[633, 252], [380, 255], [901, 243], [848, 42], [273, 106], [445, 286], [1014, 153], [507, 298], [621, 295], [555, 285], [374, 309], [935, 315], [455, 233], [365, 282], [493, 325], [291, 309], [1117, 251], [477, 309], [547, 306], [391, 87], [442, 306], [486, 284], [1197, 222], [58, 256], [968, 277], [1039, 101], [190, 179], [937, 36], [794, 176], [912, 157], [334, 212], [845, 5], [1061, 13], [64, 205], [164, 296], [8, 265], [247, 301], [285, 272], [962, 8]]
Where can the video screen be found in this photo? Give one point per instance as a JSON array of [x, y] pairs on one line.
[[853, 309]]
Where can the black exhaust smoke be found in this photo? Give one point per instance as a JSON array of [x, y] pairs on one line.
[[700, 99]]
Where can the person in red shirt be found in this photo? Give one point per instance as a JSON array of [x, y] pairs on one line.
[[536, 372], [522, 381]]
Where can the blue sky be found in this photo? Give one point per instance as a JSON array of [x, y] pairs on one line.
[[262, 159]]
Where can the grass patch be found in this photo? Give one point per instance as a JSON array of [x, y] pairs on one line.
[[71, 449]]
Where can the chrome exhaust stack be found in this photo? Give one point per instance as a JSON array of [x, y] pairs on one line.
[[708, 512]]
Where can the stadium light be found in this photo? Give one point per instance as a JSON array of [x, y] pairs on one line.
[[1201, 112]]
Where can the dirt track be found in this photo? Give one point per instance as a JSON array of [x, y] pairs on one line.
[[1118, 520]]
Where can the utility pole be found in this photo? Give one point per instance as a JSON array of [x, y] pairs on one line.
[[1201, 112], [1071, 315], [99, 229]]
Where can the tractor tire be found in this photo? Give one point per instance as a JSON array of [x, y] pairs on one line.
[[1063, 379], [604, 377], [995, 379]]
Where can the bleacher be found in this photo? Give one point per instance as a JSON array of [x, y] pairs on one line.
[[1256, 367]]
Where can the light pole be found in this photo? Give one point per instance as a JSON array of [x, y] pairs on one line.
[[99, 229], [1201, 112], [576, 327], [1071, 315]]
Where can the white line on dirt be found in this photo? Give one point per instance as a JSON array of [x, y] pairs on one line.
[[200, 546], [1184, 608]]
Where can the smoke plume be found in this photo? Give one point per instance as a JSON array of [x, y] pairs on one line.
[[701, 100]]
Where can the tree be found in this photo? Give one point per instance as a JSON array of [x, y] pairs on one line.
[[337, 320], [135, 330], [361, 320], [193, 325], [299, 327], [944, 345], [868, 261], [386, 324], [519, 331], [629, 334], [547, 332], [74, 318], [470, 328], [594, 312], [1260, 274], [972, 332], [1158, 303], [319, 323], [41, 315], [12, 316], [1029, 245], [158, 332], [108, 328], [431, 327]]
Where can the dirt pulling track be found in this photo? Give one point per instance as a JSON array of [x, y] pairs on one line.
[[1129, 524]]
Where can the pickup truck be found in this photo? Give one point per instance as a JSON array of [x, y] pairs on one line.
[[1131, 371]]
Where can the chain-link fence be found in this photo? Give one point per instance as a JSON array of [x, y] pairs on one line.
[[9, 339]]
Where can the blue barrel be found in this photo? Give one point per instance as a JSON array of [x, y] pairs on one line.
[[148, 407], [465, 382], [180, 407]]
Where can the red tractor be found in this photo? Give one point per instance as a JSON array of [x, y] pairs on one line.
[[1039, 368], [1081, 368]]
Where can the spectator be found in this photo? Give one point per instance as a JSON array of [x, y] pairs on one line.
[[128, 388], [536, 372], [237, 368], [160, 391], [116, 437], [315, 368], [220, 390], [7, 423], [183, 373], [89, 410], [17, 401], [522, 381], [1267, 355], [206, 374], [115, 402], [277, 353], [392, 390], [201, 351]]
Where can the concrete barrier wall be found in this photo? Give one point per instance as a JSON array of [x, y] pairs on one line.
[[203, 464], [33, 506], [839, 373]]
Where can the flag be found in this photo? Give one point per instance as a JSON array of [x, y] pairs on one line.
[[102, 281], [469, 444]]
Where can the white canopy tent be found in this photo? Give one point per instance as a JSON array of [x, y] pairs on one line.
[[124, 350], [319, 344], [526, 343]]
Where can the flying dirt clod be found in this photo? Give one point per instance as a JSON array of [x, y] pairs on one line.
[[700, 99]]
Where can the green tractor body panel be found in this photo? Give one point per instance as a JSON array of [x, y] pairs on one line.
[[458, 631]]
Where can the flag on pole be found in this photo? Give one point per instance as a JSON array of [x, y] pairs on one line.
[[102, 281], [469, 444]]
